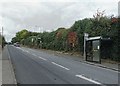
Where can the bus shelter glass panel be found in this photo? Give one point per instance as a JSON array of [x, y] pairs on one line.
[[93, 50], [96, 50], [89, 53]]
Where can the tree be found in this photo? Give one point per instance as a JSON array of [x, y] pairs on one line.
[[22, 35], [99, 25], [14, 40], [72, 39]]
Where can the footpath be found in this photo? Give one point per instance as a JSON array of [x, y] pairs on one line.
[[6, 69]]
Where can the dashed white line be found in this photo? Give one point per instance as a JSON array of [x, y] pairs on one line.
[[27, 51], [22, 50], [90, 80], [42, 58], [33, 54], [60, 65]]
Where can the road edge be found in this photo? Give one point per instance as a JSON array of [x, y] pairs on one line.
[[100, 65], [114, 69]]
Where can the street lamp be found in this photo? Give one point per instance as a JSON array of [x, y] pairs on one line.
[[39, 39], [32, 40], [85, 38]]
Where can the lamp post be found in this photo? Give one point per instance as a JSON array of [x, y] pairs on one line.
[[39, 39], [85, 37]]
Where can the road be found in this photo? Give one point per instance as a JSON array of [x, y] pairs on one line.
[[35, 67]]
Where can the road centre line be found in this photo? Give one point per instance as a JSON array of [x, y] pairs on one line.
[[42, 58], [27, 51], [90, 80], [32, 54], [60, 65]]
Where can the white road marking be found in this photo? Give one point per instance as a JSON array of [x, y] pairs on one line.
[[60, 66], [22, 49], [27, 51], [82, 63], [42, 58], [33, 54], [90, 80]]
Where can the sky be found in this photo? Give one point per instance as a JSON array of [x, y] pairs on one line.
[[48, 15]]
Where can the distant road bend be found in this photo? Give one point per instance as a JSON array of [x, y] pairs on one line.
[[35, 67]]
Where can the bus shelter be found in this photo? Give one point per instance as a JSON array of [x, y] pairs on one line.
[[97, 48]]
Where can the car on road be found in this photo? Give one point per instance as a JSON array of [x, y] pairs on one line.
[[17, 44]]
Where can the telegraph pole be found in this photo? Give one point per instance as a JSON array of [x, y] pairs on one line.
[[2, 31], [85, 37]]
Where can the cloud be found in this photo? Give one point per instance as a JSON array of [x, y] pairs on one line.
[[48, 14]]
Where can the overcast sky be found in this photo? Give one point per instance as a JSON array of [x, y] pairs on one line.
[[48, 15]]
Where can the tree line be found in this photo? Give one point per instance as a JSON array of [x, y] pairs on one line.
[[72, 39]]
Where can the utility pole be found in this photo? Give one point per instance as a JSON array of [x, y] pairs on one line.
[[85, 37], [2, 31]]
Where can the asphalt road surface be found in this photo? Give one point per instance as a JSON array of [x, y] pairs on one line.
[[35, 67]]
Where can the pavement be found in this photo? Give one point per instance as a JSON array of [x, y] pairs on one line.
[[0, 66], [34, 66], [6, 68]]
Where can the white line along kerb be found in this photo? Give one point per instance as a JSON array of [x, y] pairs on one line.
[[42, 58], [90, 80], [60, 66]]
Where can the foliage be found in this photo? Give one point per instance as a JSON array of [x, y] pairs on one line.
[[99, 25]]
